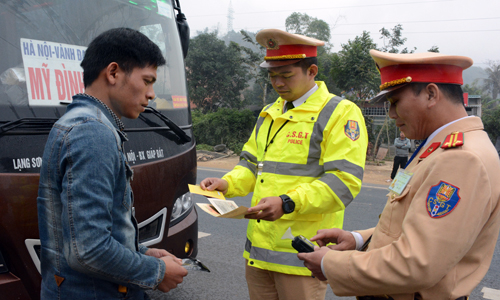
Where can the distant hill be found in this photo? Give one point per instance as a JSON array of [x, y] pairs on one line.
[[472, 74]]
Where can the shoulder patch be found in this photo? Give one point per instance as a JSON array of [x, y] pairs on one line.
[[351, 129], [442, 199], [455, 139]]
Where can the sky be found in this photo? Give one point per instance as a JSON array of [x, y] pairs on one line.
[[458, 27]]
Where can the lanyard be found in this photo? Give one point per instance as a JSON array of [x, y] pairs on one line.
[[269, 132], [416, 152]]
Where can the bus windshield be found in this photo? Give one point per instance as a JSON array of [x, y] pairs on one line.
[[43, 43]]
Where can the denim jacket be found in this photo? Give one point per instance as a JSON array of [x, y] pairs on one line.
[[89, 236]]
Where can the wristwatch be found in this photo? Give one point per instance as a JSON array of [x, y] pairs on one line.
[[288, 204]]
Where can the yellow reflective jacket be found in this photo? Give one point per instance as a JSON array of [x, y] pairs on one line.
[[315, 154]]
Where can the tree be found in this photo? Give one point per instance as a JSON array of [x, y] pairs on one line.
[[262, 83], [353, 69], [434, 49], [492, 83], [491, 123], [486, 101], [393, 39], [306, 25], [216, 72], [231, 127]]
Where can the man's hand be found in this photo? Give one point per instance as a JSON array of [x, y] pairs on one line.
[[344, 239], [312, 261], [211, 184], [174, 273], [269, 209], [159, 253]]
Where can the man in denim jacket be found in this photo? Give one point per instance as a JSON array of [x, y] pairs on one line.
[[88, 233]]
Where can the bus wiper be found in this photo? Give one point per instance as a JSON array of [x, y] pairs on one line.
[[38, 123], [175, 128]]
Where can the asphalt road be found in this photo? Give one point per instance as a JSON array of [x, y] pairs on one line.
[[221, 245]]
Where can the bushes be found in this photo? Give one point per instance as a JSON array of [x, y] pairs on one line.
[[231, 127]]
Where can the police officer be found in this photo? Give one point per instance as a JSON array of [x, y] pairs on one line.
[[304, 164], [437, 233]]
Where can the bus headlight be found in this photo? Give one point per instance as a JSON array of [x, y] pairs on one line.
[[181, 208], [3, 266]]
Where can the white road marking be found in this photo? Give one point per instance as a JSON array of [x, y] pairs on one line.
[[203, 234], [213, 169], [373, 187], [491, 294]]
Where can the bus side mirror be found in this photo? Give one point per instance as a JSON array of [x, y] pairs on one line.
[[183, 28]]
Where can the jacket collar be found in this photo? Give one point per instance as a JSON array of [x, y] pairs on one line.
[[314, 103], [463, 125], [84, 100]]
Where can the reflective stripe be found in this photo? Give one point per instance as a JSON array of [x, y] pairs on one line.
[[320, 125], [248, 161], [248, 165], [248, 156], [275, 257], [312, 169], [283, 168], [339, 187], [260, 121], [344, 166]]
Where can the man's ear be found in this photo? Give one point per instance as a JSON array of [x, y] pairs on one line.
[[111, 72], [433, 94], [312, 70]]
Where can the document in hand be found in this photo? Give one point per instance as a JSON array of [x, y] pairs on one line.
[[224, 209], [219, 206], [196, 189]]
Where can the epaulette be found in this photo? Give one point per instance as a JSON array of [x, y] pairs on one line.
[[430, 149], [453, 140]]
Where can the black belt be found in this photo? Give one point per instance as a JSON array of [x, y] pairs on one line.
[[385, 297]]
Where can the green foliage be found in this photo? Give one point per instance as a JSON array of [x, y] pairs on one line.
[[260, 92], [491, 121], [393, 39], [231, 127], [434, 49], [492, 82], [486, 101], [216, 73], [353, 68], [204, 147], [304, 24]]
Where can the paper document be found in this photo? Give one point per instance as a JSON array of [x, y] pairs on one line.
[[196, 189], [224, 209]]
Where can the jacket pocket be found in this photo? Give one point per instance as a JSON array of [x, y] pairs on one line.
[[391, 219]]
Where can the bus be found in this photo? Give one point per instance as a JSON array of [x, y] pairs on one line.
[[42, 43]]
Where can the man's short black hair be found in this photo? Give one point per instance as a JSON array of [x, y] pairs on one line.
[[127, 47], [306, 63], [452, 91]]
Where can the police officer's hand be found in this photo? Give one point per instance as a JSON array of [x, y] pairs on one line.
[[344, 239], [269, 209], [312, 261], [211, 184], [174, 274]]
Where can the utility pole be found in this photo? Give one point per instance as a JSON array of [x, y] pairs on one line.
[[230, 17]]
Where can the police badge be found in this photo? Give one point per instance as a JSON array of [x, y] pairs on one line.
[[442, 199], [351, 129]]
